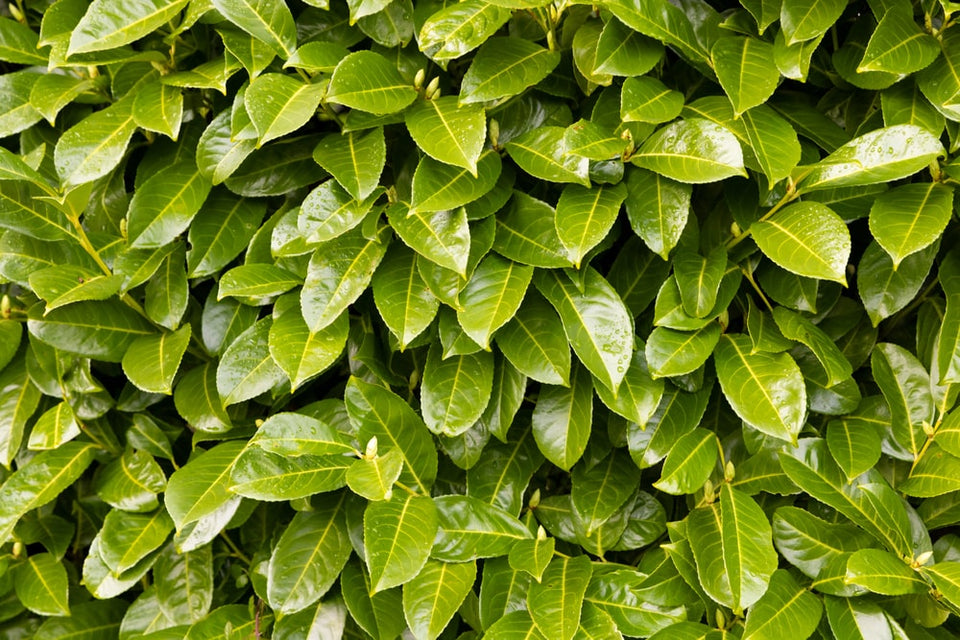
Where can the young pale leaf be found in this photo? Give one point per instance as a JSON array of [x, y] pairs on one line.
[[373, 478], [398, 534], [159, 107], [199, 488], [746, 71], [882, 572], [448, 132], [457, 29], [443, 237], [107, 26], [693, 150], [806, 238], [532, 556], [766, 390], [432, 598], [506, 67], [910, 218], [597, 324], [556, 601]]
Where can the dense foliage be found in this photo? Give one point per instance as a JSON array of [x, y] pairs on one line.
[[499, 318]]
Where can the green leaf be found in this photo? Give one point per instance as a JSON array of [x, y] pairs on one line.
[[674, 353], [377, 412], [471, 529], [200, 487], [131, 482], [638, 395], [403, 299], [65, 284], [555, 602], [336, 276], [329, 212], [941, 89], [19, 44], [93, 147], [882, 572], [881, 155], [432, 598], [533, 341], [448, 131], [773, 141], [806, 19], [600, 491], [899, 45], [527, 233], [492, 295], [308, 557], [301, 353], [785, 610], [597, 324], [506, 67], [246, 369], [373, 478], [41, 585], [279, 104], [398, 534], [689, 463], [541, 153], [934, 474], [261, 475], [219, 154], [198, 401], [103, 330], [367, 81], [905, 385], [438, 186], [766, 390], [163, 207], [18, 112], [151, 362], [793, 326], [910, 218], [127, 538], [107, 26], [562, 419], [732, 543], [646, 99], [806, 238], [810, 543], [621, 51], [268, 21], [159, 107], [885, 290], [256, 281], [585, 216], [746, 70], [657, 208], [56, 426], [454, 30], [455, 390], [853, 444], [355, 159], [41, 480], [532, 556], [443, 237], [693, 150], [946, 577]]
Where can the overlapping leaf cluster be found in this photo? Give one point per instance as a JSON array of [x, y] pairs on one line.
[[485, 319]]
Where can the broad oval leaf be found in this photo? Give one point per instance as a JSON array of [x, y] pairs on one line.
[[806, 238]]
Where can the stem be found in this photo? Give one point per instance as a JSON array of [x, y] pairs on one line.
[[234, 548], [756, 287]]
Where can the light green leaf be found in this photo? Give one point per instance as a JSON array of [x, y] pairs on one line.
[[492, 297], [107, 25], [533, 341], [432, 598], [41, 480], [265, 20], [646, 99], [541, 153], [66, 284], [103, 330], [793, 326], [766, 390], [597, 324], [746, 70], [447, 131], [131, 482], [373, 478], [301, 353], [854, 444], [455, 390], [93, 147], [674, 353], [601, 490], [258, 281], [638, 395], [585, 216], [773, 141], [689, 463], [657, 208], [881, 155], [621, 51], [905, 385], [885, 290], [454, 30], [41, 585], [506, 67], [562, 419], [527, 233], [438, 186], [219, 154], [532, 556], [200, 487], [806, 19], [198, 401], [128, 538], [279, 104], [309, 556], [329, 212], [946, 577], [693, 150], [52, 92], [159, 107], [935, 473], [355, 159], [377, 412], [246, 369], [265, 476], [398, 534], [882, 572], [19, 44], [910, 218], [403, 299], [899, 45], [367, 81], [443, 237], [471, 529], [806, 238], [163, 207], [151, 362], [555, 602], [785, 610], [337, 274]]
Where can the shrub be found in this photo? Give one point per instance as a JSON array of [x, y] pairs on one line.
[[499, 318]]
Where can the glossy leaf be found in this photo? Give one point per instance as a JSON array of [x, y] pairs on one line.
[[398, 534], [807, 239], [692, 151]]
